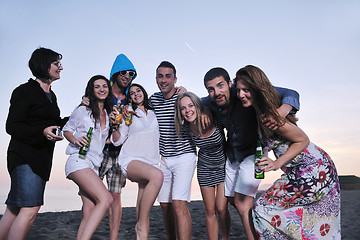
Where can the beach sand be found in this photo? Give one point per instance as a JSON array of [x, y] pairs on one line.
[[64, 225]]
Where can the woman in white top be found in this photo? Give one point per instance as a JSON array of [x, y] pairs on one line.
[[139, 156], [83, 170]]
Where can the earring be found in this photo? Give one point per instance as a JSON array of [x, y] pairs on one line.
[[182, 121]]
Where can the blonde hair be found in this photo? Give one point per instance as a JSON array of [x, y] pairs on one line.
[[179, 120]]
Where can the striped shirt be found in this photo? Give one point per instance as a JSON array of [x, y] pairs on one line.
[[170, 144], [211, 157]]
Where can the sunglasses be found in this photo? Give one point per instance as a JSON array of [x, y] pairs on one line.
[[130, 72]]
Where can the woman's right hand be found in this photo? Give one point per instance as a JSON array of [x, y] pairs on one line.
[[267, 164], [81, 141]]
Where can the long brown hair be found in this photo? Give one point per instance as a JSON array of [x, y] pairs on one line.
[[94, 101], [266, 99]]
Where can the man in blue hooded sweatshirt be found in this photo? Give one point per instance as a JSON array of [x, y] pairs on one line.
[[121, 75]]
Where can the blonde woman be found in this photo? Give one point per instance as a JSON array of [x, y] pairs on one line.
[[211, 161]]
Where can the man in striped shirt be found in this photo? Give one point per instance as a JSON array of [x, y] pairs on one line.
[[178, 157]]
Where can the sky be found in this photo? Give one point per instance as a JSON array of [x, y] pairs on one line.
[[309, 46]]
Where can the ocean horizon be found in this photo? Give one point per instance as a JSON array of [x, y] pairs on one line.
[[59, 199], [62, 199]]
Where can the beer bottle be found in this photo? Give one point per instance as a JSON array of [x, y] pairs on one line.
[[259, 174], [128, 119], [119, 117], [84, 149]]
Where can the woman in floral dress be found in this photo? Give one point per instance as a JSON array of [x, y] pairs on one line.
[[305, 202]]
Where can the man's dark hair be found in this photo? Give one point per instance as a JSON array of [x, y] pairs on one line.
[[216, 72], [167, 64]]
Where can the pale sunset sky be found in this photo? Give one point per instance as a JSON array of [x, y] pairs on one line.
[[309, 46]]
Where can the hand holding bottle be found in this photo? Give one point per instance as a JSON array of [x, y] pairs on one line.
[[259, 173], [117, 111], [267, 164], [84, 149], [81, 141]]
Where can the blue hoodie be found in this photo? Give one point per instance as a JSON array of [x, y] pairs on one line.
[[122, 63]]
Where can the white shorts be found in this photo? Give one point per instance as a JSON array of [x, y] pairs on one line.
[[75, 163], [124, 167], [178, 173], [239, 177]]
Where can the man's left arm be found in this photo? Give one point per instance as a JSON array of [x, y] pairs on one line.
[[290, 101], [290, 105]]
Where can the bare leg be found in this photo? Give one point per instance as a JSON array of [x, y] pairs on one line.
[[142, 227], [93, 188], [150, 180], [115, 213], [7, 220], [183, 219], [169, 220], [88, 206], [223, 211], [244, 205], [208, 195], [141, 187], [16, 222]]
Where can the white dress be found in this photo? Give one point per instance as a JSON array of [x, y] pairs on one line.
[[140, 140], [79, 123]]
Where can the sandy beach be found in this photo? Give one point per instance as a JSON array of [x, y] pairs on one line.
[[64, 225]]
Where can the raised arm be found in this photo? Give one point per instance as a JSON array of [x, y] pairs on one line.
[[290, 105], [290, 98], [119, 136]]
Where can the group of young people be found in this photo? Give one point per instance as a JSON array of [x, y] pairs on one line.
[[158, 151]]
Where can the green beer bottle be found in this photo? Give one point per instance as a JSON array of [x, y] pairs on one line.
[[83, 150], [259, 174]]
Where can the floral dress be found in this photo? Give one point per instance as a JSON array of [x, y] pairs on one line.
[[305, 202]]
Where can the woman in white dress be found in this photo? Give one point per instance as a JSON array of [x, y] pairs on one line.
[[139, 156], [84, 170]]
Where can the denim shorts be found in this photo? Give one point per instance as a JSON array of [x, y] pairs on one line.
[[27, 188]]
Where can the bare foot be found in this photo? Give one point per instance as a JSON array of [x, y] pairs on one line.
[[140, 234]]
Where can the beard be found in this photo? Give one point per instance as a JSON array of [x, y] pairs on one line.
[[118, 83]]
